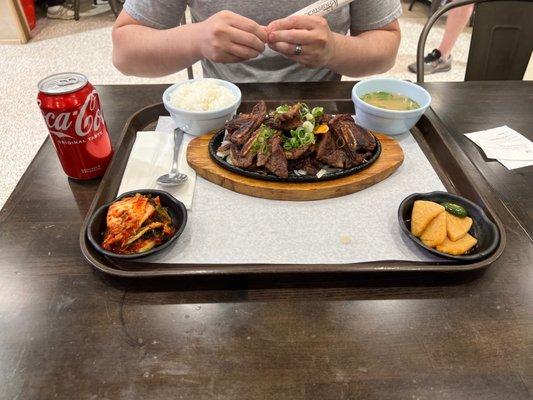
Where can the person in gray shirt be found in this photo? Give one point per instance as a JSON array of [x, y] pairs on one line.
[[256, 40]]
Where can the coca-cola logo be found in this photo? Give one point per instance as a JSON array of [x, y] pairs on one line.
[[86, 120]]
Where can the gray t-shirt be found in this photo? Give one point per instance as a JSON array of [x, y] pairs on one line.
[[360, 15]]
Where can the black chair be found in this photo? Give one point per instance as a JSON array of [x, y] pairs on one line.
[[76, 7], [502, 39], [433, 5]]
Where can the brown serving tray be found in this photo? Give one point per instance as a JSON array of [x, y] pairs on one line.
[[446, 157]]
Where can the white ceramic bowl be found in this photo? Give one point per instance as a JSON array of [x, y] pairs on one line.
[[390, 122], [197, 123]]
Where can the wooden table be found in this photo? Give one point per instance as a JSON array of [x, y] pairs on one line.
[[68, 332], [472, 106]]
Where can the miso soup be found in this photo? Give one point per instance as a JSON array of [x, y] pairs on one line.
[[390, 101]]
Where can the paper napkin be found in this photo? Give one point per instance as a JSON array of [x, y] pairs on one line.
[[151, 157], [506, 145]]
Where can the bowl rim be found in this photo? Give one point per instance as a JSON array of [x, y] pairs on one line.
[[179, 205], [220, 111], [464, 258], [416, 111]]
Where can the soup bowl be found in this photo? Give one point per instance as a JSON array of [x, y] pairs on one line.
[[390, 122], [197, 123]]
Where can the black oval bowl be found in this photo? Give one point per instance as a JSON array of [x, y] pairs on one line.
[[218, 137], [483, 229], [97, 224]]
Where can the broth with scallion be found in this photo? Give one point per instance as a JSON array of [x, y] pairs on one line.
[[390, 101]]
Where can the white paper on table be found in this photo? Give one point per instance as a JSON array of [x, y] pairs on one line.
[[151, 157], [503, 143], [228, 227], [512, 164], [165, 124]]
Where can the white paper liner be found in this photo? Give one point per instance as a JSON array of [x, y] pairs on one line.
[[228, 227]]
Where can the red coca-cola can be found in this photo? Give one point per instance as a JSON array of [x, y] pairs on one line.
[[71, 110]]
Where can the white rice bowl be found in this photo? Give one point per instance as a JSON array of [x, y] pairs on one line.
[[202, 95]]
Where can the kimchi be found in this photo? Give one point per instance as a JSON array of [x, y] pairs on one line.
[[136, 224]]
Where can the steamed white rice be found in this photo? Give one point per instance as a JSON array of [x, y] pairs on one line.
[[202, 95]]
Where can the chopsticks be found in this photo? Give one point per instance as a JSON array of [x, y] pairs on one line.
[[322, 7]]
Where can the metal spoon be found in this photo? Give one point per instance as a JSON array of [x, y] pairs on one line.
[[174, 178]]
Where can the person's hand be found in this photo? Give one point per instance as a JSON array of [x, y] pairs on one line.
[[226, 37], [312, 33]]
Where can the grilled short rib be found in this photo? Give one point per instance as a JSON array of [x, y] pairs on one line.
[[240, 128], [286, 121], [345, 145]]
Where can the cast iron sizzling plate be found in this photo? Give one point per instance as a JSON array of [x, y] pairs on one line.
[[218, 137]]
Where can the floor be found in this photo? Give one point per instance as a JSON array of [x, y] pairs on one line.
[[85, 46]]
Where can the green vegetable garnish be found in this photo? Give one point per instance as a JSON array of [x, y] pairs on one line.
[[283, 108], [304, 110], [299, 137], [455, 209], [308, 126], [260, 143], [317, 112]]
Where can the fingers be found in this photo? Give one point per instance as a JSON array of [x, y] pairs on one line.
[[307, 59], [242, 52], [311, 32], [247, 25], [287, 49], [263, 34], [300, 36], [246, 39], [228, 58], [296, 22]]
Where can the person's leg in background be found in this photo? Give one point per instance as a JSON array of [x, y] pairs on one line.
[[440, 59], [57, 9], [457, 20]]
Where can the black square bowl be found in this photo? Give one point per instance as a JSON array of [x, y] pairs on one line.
[[483, 229], [176, 209]]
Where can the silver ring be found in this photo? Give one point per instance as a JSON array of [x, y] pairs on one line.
[[298, 49]]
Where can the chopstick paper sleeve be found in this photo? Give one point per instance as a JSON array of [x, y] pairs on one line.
[[322, 7]]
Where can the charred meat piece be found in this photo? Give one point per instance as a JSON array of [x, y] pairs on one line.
[[343, 127], [324, 119], [344, 124], [241, 159], [249, 144], [243, 125], [262, 159], [275, 158], [295, 154], [347, 144], [259, 143], [366, 142], [330, 152], [224, 147], [309, 164], [287, 120], [244, 157]]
